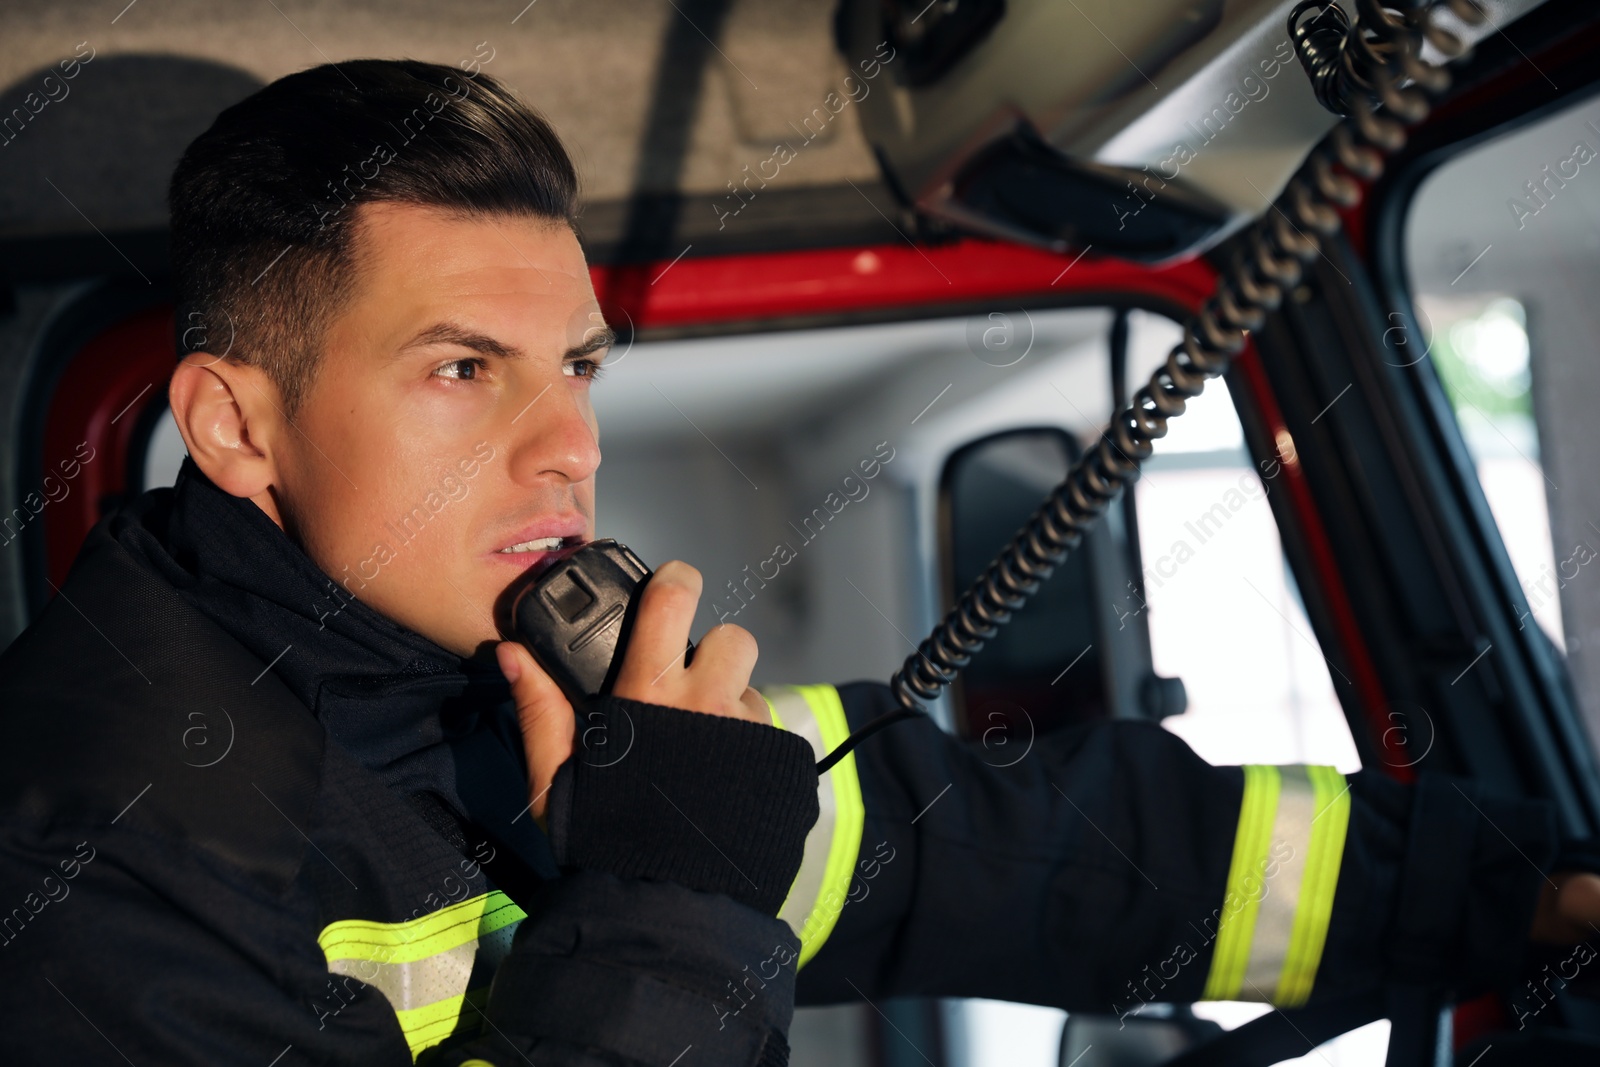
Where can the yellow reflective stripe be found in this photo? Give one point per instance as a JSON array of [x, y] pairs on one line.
[[817, 895], [417, 939], [430, 1024], [410, 961], [772, 709], [849, 819], [1314, 912], [1242, 900]]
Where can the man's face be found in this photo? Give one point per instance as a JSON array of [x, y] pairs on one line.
[[450, 418]]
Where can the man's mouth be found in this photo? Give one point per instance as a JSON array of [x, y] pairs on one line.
[[539, 538], [543, 544]]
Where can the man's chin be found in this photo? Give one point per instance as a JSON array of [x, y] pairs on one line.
[[450, 614], [467, 641]]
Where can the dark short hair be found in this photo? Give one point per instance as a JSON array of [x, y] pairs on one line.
[[263, 203]]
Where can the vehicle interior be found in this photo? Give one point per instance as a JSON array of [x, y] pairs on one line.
[[961, 236]]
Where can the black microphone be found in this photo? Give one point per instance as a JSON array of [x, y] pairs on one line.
[[574, 611]]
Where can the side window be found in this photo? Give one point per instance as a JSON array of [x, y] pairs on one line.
[[1182, 606], [1224, 613], [1503, 263]]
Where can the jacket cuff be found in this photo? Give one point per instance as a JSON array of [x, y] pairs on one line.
[[607, 970], [1473, 873], [710, 803]]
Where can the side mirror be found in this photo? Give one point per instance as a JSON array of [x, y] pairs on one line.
[[1162, 697], [1088, 618], [1143, 1040]]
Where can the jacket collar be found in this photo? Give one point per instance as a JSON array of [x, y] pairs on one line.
[[396, 700]]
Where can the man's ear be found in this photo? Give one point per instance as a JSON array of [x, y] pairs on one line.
[[229, 415]]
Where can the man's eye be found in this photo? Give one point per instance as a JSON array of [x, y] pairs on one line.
[[462, 369], [583, 368]]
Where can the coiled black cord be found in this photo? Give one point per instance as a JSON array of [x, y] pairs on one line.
[[1375, 63], [1349, 61], [1339, 71]]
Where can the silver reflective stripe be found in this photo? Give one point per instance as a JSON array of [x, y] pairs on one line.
[[1286, 866], [423, 982], [795, 716], [412, 985]]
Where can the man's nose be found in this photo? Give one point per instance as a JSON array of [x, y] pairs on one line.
[[553, 435]]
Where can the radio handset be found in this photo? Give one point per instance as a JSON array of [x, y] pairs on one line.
[[574, 611]]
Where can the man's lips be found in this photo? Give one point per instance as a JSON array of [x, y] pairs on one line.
[[533, 541], [543, 544]]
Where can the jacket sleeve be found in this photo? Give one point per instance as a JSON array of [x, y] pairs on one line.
[[1111, 867], [660, 945], [119, 946]]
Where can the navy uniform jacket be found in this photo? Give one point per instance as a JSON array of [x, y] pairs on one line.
[[211, 856]]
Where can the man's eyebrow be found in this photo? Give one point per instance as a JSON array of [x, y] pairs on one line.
[[449, 333], [598, 338]]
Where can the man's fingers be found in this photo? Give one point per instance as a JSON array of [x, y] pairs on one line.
[[661, 629], [1580, 903], [1568, 909], [727, 654], [755, 706], [653, 671], [546, 718]]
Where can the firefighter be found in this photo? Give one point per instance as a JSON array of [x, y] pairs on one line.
[[276, 792]]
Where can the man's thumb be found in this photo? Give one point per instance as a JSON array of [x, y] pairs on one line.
[[545, 715]]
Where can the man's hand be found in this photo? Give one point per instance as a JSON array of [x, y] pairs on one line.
[[717, 683], [1569, 909]]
